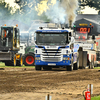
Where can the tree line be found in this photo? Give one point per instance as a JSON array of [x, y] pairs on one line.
[[27, 12]]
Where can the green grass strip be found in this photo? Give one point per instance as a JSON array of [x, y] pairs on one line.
[[95, 98], [2, 65], [96, 67]]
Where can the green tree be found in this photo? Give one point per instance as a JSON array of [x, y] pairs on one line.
[[91, 3], [27, 9], [4, 12]]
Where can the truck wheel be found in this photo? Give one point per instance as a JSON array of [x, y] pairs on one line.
[[14, 60], [19, 62], [7, 63], [29, 60], [70, 68], [11, 62], [37, 67]]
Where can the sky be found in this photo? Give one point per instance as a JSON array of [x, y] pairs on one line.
[[89, 10]]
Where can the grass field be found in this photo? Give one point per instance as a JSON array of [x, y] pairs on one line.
[[95, 98], [3, 65], [96, 67]]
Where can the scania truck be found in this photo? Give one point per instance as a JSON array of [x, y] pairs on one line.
[[54, 48]]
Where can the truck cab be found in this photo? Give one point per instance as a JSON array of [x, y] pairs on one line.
[[54, 48]]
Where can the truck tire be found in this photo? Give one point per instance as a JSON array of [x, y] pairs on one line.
[[29, 60], [14, 60], [70, 68], [20, 61], [11, 62], [37, 67], [7, 63]]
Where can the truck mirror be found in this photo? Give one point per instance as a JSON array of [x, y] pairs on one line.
[[93, 37]]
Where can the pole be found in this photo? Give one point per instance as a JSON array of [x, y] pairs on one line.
[[48, 97], [90, 91]]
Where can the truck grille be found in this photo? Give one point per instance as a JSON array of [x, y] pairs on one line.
[[51, 55]]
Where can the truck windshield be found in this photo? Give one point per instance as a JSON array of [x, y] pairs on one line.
[[81, 35], [6, 36], [51, 38]]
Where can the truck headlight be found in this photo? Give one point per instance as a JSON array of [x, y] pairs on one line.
[[37, 58], [66, 58]]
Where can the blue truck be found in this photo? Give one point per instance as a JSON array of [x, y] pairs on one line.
[[54, 48]]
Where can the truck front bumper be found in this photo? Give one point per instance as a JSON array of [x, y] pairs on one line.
[[61, 63]]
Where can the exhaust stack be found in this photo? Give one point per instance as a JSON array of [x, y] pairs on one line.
[[70, 24]]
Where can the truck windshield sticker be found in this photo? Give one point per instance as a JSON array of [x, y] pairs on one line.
[[52, 31]]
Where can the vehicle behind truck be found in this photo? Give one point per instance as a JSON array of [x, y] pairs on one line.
[[54, 48], [27, 48], [87, 45], [97, 39]]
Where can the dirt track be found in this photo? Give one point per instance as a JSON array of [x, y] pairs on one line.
[[29, 84]]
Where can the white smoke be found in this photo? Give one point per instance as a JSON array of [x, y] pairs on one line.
[[70, 7], [56, 13], [62, 11]]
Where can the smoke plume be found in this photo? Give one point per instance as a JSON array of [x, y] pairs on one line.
[[70, 7], [58, 11], [52, 10]]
